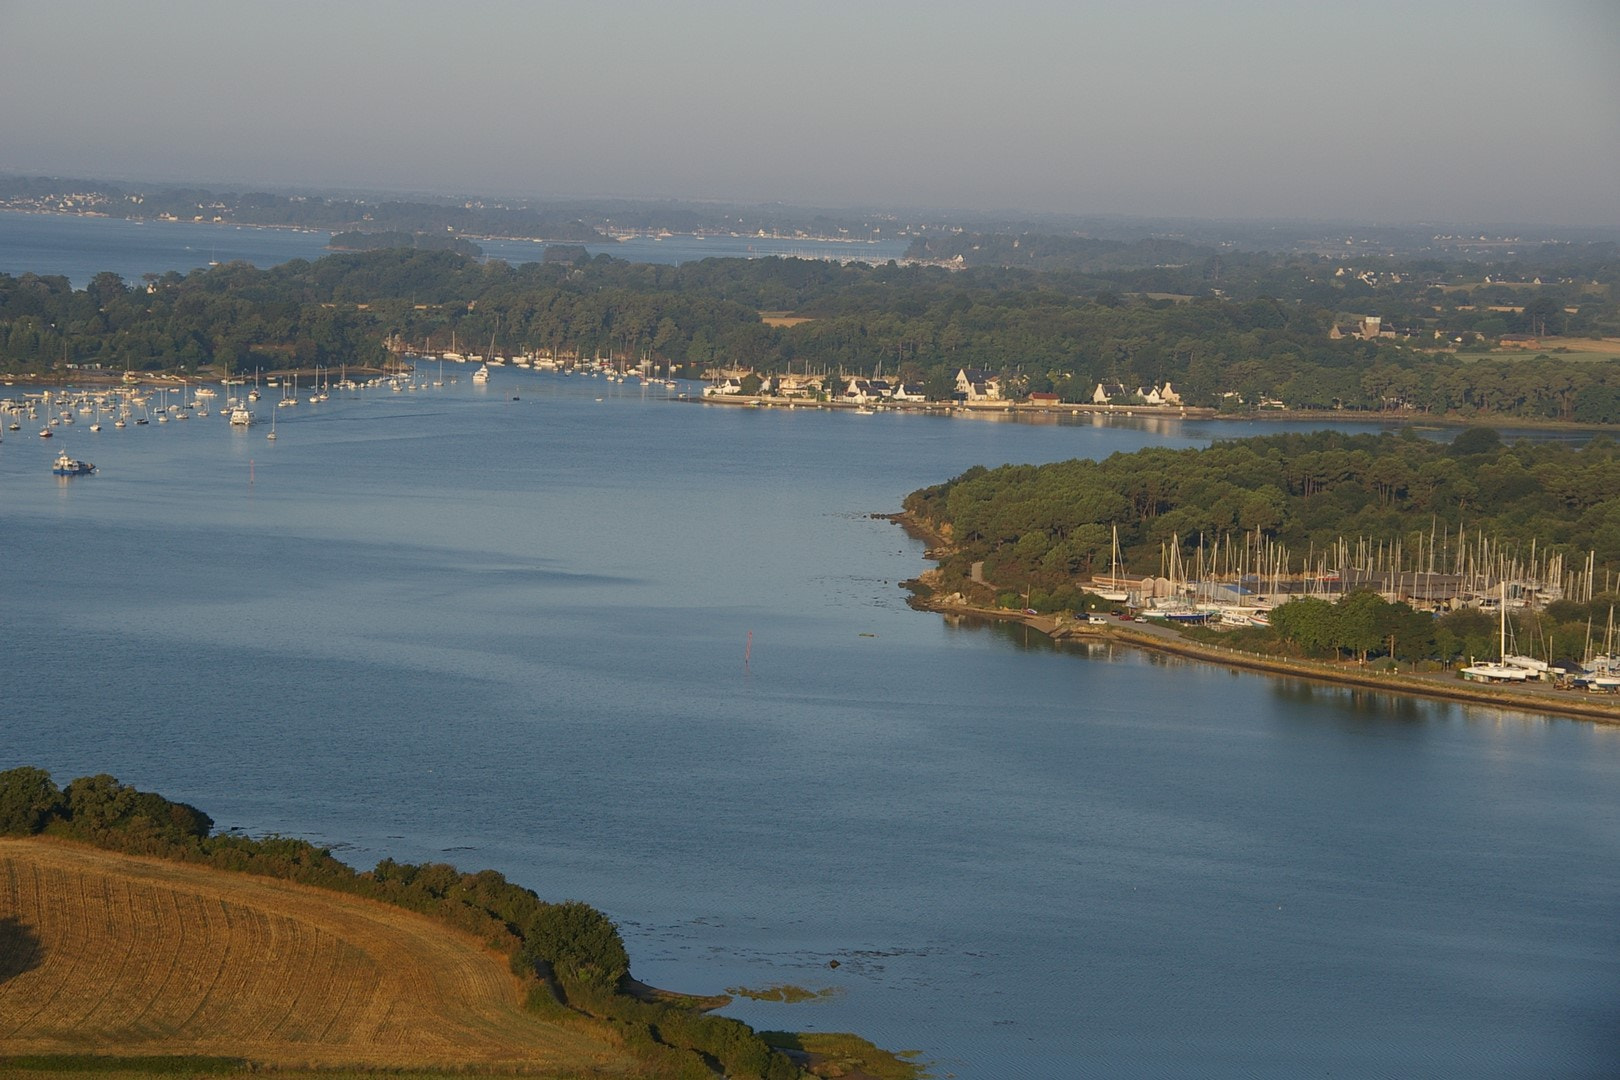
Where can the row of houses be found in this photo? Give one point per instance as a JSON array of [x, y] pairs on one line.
[[975, 385], [855, 391], [972, 384], [1117, 394]]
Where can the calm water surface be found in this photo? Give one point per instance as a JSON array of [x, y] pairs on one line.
[[450, 625], [80, 247]]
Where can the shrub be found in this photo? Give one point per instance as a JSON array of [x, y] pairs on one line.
[[29, 799]]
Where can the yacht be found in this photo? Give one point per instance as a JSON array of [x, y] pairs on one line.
[[69, 466]]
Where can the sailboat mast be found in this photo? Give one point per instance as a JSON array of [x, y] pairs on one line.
[[1501, 651]]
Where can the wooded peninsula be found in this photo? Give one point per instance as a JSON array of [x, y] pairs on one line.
[[1389, 550]]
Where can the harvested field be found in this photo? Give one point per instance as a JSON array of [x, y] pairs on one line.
[[1576, 350], [113, 954], [1601, 346]]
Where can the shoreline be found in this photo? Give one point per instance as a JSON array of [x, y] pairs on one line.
[[1149, 412], [976, 409], [1439, 686], [103, 379], [991, 408], [1442, 686]]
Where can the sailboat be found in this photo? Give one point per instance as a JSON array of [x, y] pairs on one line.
[[272, 434], [1114, 594], [1499, 670]]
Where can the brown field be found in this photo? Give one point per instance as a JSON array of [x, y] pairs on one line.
[[1601, 346], [782, 318], [1573, 348], [102, 953]]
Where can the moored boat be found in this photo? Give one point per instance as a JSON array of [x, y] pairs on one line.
[[66, 465], [1503, 669]]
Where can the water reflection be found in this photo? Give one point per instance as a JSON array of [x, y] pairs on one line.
[[1355, 704], [1302, 700]]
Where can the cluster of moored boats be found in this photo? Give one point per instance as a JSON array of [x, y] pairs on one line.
[[234, 399], [599, 368], [57, 410], [137, 406]]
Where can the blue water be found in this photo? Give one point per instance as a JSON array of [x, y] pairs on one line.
[[80, 247], [455, 626]]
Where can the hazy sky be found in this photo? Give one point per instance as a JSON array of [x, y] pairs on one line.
[[1448, 110]]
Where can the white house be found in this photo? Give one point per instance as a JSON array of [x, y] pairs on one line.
[[727, 386], [978, 385], [798, 385]]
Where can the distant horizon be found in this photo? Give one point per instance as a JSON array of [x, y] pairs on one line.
[[910, 215], [1451, 111]]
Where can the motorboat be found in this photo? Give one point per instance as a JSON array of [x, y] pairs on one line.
[[67, 465]]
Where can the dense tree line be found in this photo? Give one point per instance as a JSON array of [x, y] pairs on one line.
[[1366, 627], [1047, 332], [1302, 491], [1408, 290], [366, 240], [571, 953]]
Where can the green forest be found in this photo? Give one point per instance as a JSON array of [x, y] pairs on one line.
[[1057, 332], [358, 240], [1316, 502], [1269, 335]]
